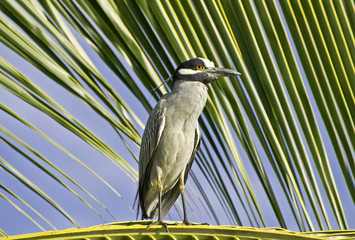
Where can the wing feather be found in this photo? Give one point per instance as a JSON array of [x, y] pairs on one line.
[[150, 140]]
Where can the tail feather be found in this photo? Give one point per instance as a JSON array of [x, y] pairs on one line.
[[167, 201], [138, 207]]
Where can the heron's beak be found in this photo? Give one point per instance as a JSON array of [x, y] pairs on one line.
[[221, 72]]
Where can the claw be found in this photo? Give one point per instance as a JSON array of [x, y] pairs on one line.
[[206, 224], [159, 222], [186, 222]]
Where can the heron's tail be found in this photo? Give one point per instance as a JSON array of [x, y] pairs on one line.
[[138, 207]]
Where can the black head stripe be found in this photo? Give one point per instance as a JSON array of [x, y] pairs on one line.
[[191, 64], [188, 71]]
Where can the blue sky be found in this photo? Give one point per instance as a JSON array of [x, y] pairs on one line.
[[11, 219]]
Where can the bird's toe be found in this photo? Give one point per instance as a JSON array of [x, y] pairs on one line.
[[159, 222]]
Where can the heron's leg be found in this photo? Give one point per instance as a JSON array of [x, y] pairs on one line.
[[182, 190], [160, 189], [159, 220]]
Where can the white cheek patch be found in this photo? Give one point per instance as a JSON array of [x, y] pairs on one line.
[[185, 71], [208, 63]]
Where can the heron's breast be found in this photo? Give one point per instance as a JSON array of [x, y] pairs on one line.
[[183, 108]]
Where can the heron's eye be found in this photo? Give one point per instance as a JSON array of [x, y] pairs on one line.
[[199, 67]]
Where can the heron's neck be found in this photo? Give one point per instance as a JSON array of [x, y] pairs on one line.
[[191, 95]]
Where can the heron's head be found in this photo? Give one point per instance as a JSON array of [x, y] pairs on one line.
[[201, 70]]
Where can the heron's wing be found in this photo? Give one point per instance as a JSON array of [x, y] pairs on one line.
[[169, 198], [150, 140]]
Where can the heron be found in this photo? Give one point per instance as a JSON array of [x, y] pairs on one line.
[[172, 137]]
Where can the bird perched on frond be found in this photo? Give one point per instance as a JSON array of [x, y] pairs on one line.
[[172, 137]]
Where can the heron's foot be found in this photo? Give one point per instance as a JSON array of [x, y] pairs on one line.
[[159, 222], [188, 223], [206, 224]]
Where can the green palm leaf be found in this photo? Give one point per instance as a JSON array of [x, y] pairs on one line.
[[137, 230]]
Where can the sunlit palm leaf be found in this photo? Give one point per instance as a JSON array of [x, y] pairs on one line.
[[135, 230]]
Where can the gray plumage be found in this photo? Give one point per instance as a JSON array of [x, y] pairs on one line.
[[171, 138]]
